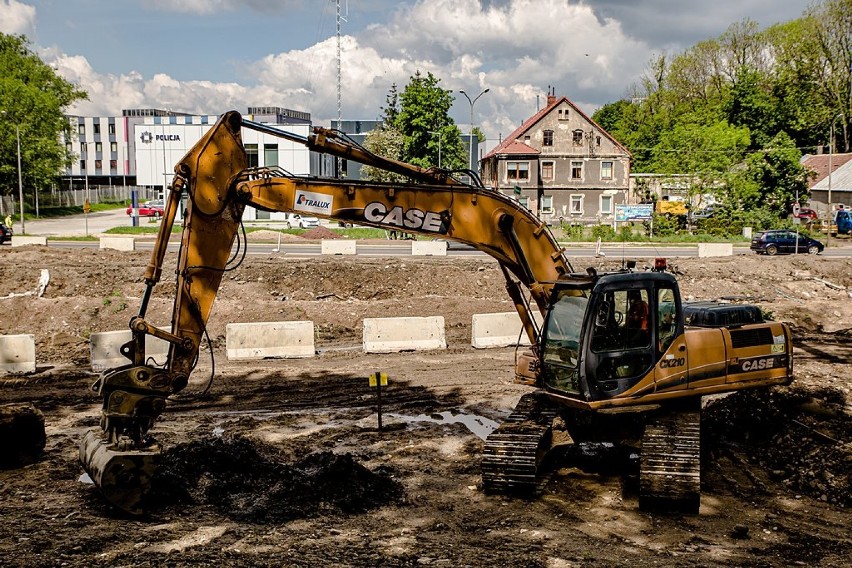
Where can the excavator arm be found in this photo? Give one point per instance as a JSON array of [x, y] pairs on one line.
[[121, 457]]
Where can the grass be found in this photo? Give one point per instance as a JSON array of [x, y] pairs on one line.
[[54, 212]]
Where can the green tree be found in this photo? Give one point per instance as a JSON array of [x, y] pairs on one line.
[[33, 100], [388, 142], [423, 110]]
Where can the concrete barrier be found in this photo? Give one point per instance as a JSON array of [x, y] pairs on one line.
[[17, 354], [118, 243], [429, 248], [388, 335], [497, 330], [281, 339], [24, 241], [105, 349], [338, 246], [715, 249]]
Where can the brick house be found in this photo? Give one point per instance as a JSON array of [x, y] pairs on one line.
[[561, 165]]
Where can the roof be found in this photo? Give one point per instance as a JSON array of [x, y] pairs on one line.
[[516, 147], [819, 164], [503, 147], [841, 178]]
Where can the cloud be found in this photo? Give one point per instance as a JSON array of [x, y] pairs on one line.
[[205, 7], [17, 18]]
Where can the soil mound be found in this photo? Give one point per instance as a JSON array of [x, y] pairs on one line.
[[319, 233], [248, 481], [800, 437]]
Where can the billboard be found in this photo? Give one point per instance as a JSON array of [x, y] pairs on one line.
[[633, 212]]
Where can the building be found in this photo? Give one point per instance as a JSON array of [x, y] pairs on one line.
[[841, 180], [561, 165]]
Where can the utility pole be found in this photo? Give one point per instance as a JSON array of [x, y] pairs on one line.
[[20, 178]]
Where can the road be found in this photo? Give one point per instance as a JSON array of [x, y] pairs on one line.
[[96, 223]]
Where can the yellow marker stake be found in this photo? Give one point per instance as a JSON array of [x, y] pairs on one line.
[[379, 380]]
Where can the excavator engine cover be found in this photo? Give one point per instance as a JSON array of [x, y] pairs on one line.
[[123, 476]]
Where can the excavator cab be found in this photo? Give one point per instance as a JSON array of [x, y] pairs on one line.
[[604, 334]]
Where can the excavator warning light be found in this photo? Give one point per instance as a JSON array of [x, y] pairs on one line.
[[659, 264], [631, 264]]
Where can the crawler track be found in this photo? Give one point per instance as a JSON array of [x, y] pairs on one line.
[[670, 463], [514, 452]]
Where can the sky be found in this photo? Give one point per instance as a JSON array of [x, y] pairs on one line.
[[210, 56]]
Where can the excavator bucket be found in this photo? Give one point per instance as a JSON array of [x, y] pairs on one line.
[[122, 476]]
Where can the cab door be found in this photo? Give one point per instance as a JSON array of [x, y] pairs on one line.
[[671, 371]]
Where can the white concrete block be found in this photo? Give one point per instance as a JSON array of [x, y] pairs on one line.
[[17, 354], [338, 246], [388, 335], [429, 248], [104, 349], [279, 339], [118, 243], [24, 241], [497, 330], [715, 249]]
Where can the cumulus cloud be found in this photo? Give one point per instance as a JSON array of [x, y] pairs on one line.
[[17, 18]]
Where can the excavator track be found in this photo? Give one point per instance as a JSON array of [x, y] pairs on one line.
[[514, 452], [670, 462]]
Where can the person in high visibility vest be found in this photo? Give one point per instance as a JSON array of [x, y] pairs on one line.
[[9, 220]]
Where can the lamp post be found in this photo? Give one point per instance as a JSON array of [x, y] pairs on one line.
[[472, 102], [438, 132], [830, 154], [20, 178]]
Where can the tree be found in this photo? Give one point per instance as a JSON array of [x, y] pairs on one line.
[[423, 110], [33, 99], [388, 142]]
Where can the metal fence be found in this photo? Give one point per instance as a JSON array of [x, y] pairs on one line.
[[76, 197]]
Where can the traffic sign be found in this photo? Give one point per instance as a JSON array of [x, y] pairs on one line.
[[87, 207]]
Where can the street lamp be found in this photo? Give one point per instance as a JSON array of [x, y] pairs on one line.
[[830, 154], [438, 132], [20, 176], [472, 102]]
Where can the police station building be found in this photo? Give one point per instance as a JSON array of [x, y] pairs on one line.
[[141, 147]]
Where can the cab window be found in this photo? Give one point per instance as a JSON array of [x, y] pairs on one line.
[[622, 321]]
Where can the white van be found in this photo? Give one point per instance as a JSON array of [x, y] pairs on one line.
[[297, 221]]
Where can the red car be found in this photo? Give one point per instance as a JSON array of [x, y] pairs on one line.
[[149, 209], [807, 214]]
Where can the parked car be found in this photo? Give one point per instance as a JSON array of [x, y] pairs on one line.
[[153, 208], [295, 220], [784, 242], [5, 233], [807, 214], [705, 213]]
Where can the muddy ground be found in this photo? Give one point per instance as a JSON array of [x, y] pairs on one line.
[[281, 463]]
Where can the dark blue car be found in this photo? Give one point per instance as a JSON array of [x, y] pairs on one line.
[[784, 242]]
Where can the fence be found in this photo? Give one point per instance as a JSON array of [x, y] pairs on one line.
[[77, 197]]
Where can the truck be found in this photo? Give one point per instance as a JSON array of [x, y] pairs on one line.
[[841, 223], [618, 356]]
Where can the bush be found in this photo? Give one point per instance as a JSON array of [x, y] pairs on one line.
[[603, 232]]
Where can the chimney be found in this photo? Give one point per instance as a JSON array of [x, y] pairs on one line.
[[551, 95]]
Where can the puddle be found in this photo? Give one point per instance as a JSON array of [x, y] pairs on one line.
[[478, 425]]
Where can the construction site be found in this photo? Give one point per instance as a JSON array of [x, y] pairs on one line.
[[281, 462]]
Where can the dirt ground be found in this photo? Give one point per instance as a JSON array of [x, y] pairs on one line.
[[281, 463]]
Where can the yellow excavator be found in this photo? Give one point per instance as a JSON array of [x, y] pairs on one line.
[[618, 355]]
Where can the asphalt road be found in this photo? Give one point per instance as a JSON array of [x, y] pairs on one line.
[[95, 223]]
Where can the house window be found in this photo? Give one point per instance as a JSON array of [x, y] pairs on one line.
[[598, 140], [578, 137], [98, 147], [111, 128], [113, 147], [548, 138], [524, 201], [97, 128], [606, 170], [576, 170], [547, 171], [518, 171], [68, 147], [547, 204], [251, 155], [606, 205], [270, 155], [83, 165], [113, 164], [526, 139], [576, 205], [563, 114], [98, 164], [81, 129]]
